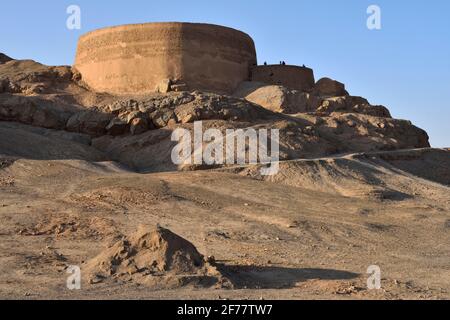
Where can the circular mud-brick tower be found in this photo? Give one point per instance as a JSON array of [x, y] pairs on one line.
[[136, 59]]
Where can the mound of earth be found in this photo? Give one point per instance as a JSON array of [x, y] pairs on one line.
[[155, 257]]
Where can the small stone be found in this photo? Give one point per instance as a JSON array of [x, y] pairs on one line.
[[164, 86], [133, 115], [138, 126], [117, 127], [171, 123], [179, 87], [115, 107], [188, 118], [96, 280]]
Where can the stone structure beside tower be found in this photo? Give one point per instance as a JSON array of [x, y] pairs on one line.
[[144, 58]]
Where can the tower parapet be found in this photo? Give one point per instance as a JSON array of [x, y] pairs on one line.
[[294, 77]]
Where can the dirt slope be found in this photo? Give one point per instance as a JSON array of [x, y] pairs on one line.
[[298, 236], [81, 170]]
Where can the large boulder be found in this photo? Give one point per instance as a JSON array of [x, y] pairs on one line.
[[353, 132], [117, 127], [138, 126], [209, 106], [36, 112], [284, 100], [164, 86], [278, 98], [327, 87], [351, 104], [92, 122]]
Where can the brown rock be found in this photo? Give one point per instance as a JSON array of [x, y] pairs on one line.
[[188, 118], [279, 98], [171, 123], [34, 112], [179, 87], [117, 127], [30, 77], [91, 122], [130, 116], [327, 87], [348, 104], [138, 126], [47, 119], [161, 118], [164, 86]]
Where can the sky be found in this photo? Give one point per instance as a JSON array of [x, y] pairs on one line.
[[405, 65]]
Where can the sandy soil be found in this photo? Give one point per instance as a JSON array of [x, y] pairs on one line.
[[310, 232]]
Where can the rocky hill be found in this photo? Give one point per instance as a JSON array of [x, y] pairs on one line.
[[81, 170], [132, 129]]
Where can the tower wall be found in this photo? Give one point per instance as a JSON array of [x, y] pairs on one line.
[[134, 59], [294, 77]]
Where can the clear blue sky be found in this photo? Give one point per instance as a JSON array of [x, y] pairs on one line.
[[405, 65]]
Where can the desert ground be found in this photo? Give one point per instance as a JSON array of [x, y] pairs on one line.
[[355, 188]]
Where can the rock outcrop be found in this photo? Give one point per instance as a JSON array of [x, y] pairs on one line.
[[92, 122], [330, 88], [351, 104], [278, 98], [136, 130], [283, 100], [30, 77], [34, 111]]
